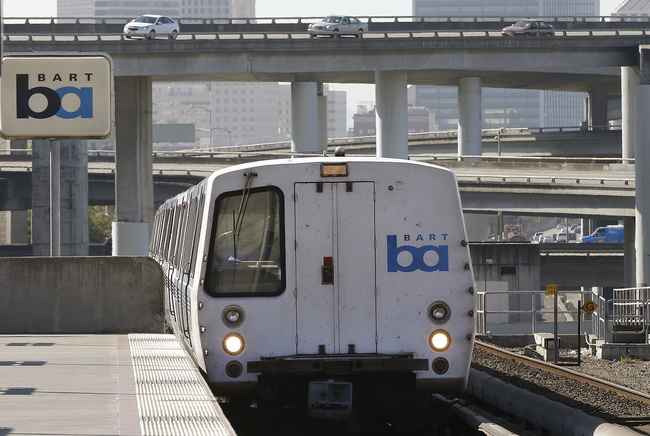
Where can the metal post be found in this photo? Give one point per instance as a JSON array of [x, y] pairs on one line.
[[555, 341], [499, 146], [579, 315], [498, 138], [209, 111], [55, 198]]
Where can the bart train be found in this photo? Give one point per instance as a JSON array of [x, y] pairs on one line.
[[323, 281]]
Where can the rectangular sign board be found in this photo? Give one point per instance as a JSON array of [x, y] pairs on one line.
[[56, 97], [174, 132]]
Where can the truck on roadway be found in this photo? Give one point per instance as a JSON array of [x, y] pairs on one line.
[[605, 234]]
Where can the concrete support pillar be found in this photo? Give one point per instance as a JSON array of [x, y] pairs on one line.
[[598, 106], [391, 114], [134, 166], [304, 117], [13, 227], [73, 198], [322, 118], [642, 183], [470, 120], [629, 82], [13, 224]]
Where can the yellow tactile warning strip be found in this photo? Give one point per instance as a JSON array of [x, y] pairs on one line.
[[172, 397]]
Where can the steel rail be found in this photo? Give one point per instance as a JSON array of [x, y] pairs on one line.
[[291, 35], [574, 375]]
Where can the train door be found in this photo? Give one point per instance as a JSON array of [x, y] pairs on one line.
[[335, 268]]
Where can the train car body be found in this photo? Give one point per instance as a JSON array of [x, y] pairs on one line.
[[322, 279]]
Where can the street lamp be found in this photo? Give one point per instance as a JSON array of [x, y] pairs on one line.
[[498, 138], [227, 131], [194, 106]]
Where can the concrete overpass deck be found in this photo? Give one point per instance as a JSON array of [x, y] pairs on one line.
[[535, 186], [574, 60]]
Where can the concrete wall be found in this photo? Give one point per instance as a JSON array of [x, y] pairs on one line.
[[517, 264], [81, 295], [507, 267]]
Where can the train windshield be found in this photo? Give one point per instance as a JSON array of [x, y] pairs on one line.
[[247, 245]]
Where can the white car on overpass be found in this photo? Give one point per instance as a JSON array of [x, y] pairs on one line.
[[150, 26]]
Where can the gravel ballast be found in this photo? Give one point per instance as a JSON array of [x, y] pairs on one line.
[[595, 401]]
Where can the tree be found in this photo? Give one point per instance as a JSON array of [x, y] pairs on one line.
[[99, 224]]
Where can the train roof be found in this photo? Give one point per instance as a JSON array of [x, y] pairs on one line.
[[325, 159], [295, 161]]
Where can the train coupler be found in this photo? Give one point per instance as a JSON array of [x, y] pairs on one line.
[[330, 399]]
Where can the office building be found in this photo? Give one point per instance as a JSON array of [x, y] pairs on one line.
[[116, 8], [419, 120], [224, 113], [628, 8], [506, 107]]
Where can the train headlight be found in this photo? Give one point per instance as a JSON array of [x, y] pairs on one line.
[[439, 340], [439, 312], [233, 344], [232, 316]]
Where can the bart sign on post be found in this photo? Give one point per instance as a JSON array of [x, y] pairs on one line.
[[56, 97]]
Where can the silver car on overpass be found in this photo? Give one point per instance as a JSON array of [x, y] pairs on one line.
[[337, 25]]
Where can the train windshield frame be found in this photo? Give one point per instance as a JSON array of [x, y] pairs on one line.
[[246, 257]]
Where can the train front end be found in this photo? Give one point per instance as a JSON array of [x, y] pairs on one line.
[[334, 282]]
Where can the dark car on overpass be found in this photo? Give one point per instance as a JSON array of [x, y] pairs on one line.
[[529, 27]]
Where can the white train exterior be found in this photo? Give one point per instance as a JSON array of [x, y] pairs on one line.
[[330, 278]]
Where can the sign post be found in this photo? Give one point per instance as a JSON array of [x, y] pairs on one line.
[[590, 307], [552, 290]]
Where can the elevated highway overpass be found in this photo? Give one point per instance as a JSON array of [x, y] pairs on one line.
[[571, 61], [604, 62], [193, 25], [535, 186]]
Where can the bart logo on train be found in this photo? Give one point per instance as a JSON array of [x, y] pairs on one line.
[[54, 98], [423, 257]]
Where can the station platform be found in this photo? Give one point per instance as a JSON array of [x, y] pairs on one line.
[[136, 384]]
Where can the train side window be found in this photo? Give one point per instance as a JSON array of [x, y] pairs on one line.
[[189, 234], [167, 233], [197, 231], [175, 225], [246, 256]]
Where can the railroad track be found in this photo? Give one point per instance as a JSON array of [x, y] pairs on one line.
[[563, 371], [556, 399]]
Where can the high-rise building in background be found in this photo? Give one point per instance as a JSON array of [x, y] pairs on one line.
[[224, 113], [336, 112], [628, 8], [419, 120], [506, 107], [243, 8], [116, 8]]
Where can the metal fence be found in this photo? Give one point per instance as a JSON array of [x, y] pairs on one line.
[[625, 317], [529, 312]]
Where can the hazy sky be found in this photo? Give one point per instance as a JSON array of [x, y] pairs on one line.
[[272, 8]]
